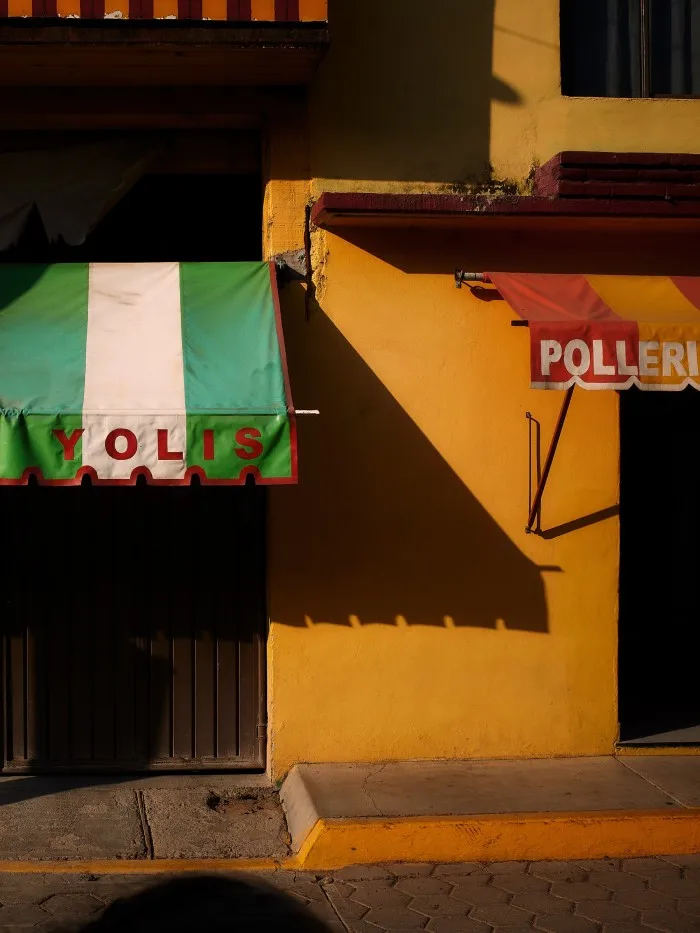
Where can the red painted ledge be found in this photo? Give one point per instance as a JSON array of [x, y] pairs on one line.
[[334, 210]]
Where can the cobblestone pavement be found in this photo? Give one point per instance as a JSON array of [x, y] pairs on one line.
[[607, 896]]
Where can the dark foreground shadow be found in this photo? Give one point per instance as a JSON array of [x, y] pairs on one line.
[[207, 904]]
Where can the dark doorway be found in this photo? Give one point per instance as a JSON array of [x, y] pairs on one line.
[[659, 688], [134, 628]]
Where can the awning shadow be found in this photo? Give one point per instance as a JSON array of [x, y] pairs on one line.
[[380, 528]]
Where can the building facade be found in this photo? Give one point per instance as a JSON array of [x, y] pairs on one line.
[[402, 611]]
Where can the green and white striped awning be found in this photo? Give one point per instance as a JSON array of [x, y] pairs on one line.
[[163, 369]]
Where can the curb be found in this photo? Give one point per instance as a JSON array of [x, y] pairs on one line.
[[335, 843]]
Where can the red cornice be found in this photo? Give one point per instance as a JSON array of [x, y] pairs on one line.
[[334, 210]]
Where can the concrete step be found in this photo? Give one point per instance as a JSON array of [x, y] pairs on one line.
[[474, 810]]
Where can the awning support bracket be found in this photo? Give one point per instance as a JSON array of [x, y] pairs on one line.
[[536, 503]]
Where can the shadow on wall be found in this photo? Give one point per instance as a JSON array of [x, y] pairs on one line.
[[380, 528], [506, 247], [405, 92]]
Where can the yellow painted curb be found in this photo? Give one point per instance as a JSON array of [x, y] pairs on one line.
[[334, 843]]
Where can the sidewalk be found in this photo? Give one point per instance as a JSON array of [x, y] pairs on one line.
[[344, 814], [166, 817]]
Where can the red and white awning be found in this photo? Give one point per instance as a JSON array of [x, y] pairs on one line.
[[606, 331]]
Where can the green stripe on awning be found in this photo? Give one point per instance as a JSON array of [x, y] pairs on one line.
[[43, 324]]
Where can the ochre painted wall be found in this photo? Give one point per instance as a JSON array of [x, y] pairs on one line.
[[411, 616]]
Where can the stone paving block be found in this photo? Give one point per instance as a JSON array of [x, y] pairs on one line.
[[280, 878], [652, 868], [581, 891], [35, 888], [502, 868], [604, 911], [542, 903], [325, 913], [558, 871], [456, 925], [646, 865], [415, 886], [684, 861], [363, 873], [349, 910], [604, 864], [307, 889], [50, 925], [338, 888], [618, 880], [516, 882], [624, 928], [690, 905], [72, 905], [473, 869], [25, 917], [670, 921], [502, 915], [378, 895], [480, 895], [410, 870], [646, 900], [439, 905], [396, 919], [361, 926], [512, 930], [299, 897], [674, 887], [565, 923]]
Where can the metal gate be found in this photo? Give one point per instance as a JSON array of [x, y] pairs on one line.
[[133, 625]]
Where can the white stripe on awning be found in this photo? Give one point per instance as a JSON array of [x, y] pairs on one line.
[[134, 366]]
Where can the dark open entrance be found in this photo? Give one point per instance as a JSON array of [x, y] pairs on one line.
[[134, 626], [659, 688]]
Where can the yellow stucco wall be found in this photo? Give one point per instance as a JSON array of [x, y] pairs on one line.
[[411, 617]]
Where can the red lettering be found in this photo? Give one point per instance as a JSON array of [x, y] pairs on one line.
[[163, 452], [132, 444], [250, 448], [68, 443], [208, 444]]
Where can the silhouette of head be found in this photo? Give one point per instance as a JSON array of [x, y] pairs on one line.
[[206, 904]]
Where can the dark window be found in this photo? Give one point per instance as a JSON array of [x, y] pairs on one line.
[[630, 48]]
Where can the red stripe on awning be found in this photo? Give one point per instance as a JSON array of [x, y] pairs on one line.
[[689, 287], [286, 11], [549, 297], [239, 9]]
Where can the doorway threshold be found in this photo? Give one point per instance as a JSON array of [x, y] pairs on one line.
[[690, 735]]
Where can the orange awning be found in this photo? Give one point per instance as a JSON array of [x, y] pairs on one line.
[[608, 331]]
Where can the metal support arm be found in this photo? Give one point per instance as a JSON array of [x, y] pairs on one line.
[[537, 501]]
